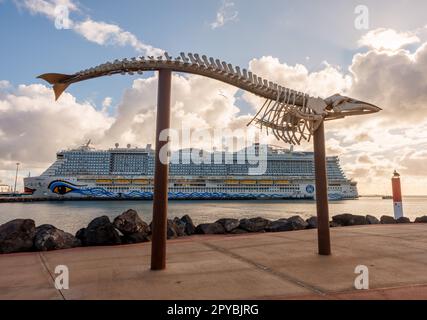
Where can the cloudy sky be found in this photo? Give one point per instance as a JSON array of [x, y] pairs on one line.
[[320, 47]]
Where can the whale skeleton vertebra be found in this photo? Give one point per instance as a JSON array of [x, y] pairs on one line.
[[292, 116]]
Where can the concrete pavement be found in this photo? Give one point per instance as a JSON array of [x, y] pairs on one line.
[[251, 266]]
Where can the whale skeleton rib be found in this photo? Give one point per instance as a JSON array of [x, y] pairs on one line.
[[291, 115]]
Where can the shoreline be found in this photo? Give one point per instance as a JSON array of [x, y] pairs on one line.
[[22, 235], [73, 215]]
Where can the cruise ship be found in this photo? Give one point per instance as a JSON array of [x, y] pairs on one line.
[[128, 173]]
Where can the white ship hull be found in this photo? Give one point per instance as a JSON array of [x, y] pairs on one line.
[[183, 188]]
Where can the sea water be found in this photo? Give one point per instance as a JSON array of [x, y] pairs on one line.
[[73, 215]]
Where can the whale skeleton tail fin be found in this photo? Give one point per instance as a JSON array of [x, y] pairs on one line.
[[57, 80]]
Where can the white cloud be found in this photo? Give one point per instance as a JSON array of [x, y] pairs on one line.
[[387, 39], [395, 82], [45, 7], [323, 83], [106, 104], [110, 34], [4, 84], [35, 127], [370, 147], [98, 32], [225, 14], [197, 103]]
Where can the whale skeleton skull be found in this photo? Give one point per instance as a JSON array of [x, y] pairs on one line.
[[292, 116], [292, 122]]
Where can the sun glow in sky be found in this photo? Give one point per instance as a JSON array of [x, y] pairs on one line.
[[311, 46]]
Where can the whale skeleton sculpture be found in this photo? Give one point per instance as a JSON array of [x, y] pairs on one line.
[[291, 115]]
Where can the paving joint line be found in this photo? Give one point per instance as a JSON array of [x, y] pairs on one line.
[[44, 263]]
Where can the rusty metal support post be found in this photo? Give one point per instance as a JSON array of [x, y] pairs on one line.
[[160, 198], [323, 235]]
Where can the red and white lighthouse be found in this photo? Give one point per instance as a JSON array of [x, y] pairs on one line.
[[397, 195]]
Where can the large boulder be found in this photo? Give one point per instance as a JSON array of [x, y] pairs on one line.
[[333, 224], [17, 235], [171, 230], [229, 224], [80, 234], [99, 232], [175, 228], [312, 223], [347, 219], [387, 220], [372, 220], [279, 226], [190, 228], [133, 228], [238, 231], [422, 219], [210, 228], [135, 238], [179, 226], [254, 224], [297, 223], [403, 220], [49, 238], [129, 223], [288, 224]]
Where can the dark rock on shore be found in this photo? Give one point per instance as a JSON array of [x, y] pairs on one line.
[[229, 224], [179, 226], [238, 231], [129, 223], [210, 228], [133, 228], [254, 224], [333, 224], [387, 220], [135, 238], [422, 219], [372, 220], [403, 220], [21, 234], [99, 232], [171, 231], [312, 223], [279, 226], [49, 238], [288, 224], [190, 228], [297, 223], [17, 235], [347, 219]]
